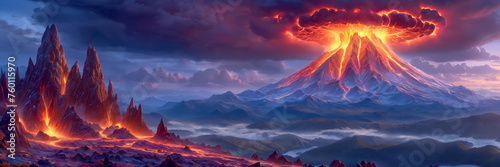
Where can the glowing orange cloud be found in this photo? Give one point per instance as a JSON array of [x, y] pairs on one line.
[[329, 26]]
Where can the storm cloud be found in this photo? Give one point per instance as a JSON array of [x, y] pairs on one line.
[[246, 38], [252, 30]]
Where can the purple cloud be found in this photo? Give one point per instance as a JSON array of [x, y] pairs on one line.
[[455, 72]]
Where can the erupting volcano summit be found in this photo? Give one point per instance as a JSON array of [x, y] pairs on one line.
[[360, 66]]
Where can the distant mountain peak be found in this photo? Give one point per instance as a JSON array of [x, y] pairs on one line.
[[365, 68], [228, 97]]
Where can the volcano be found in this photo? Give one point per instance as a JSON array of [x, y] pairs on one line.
[[363, 67]]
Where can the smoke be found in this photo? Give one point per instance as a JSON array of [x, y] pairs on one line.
[[399, 26]]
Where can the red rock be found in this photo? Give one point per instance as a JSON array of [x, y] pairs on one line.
[[122, 133], [283, 161], [254, 157], [162, 133], [273, 157], [111, 106], [49, 87], [92, 90], [162, 129], [44, 83], [31, 67], [133, 120], [114, 112], [335, 163], [298, 162], [111, 92], [72, 83], [169, 162], [71, 125]]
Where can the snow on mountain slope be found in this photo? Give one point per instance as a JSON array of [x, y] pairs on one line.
[[364, 68]]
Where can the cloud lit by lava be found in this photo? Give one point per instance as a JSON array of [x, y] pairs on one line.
[[325, 26]]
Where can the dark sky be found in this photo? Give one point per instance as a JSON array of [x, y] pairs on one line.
[[237, 44]]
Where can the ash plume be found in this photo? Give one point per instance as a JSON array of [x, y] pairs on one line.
[[399, 26]]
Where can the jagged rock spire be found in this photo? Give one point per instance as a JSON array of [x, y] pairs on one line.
[[133, 120], [298, 162], [18, 78], [51, 53], [111, 102], [44, 83], [273, 157], [92, 77], [51, 34], [110, 89], [93, 95], [162, 129], [75, 69], [72, 83], [162, 134], [71, 125], [131, 104], [30, 68]]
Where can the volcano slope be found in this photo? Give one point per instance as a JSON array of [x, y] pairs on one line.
[[367, 68], [359, 65]]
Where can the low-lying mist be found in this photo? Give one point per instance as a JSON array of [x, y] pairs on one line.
[[241, 131]]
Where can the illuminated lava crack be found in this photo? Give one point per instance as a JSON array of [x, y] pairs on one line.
[[358, 65]]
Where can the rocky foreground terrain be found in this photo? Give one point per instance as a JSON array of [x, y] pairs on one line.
[[68, 118]]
